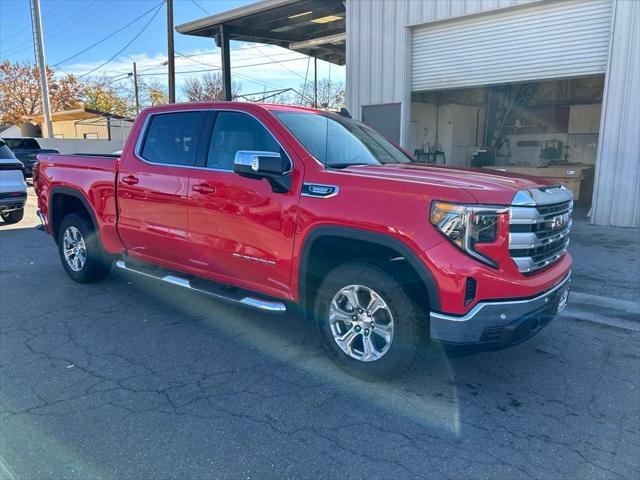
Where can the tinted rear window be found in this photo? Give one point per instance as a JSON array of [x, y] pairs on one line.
[[22, 143], [172, 138]]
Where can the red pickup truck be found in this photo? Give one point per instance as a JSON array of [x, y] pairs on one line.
[[273, 206]]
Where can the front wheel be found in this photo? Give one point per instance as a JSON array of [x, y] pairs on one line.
[[13, 217], [370, 325], [80, 251]]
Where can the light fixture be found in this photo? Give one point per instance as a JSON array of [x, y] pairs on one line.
[[300, 14], [327, 19]]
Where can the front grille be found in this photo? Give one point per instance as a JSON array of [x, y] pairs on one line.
[[539, 232]]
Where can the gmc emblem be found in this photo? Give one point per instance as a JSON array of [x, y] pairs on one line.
[[559, 221]]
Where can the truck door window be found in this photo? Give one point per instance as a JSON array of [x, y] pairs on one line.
[[235, 131], [172, 138]]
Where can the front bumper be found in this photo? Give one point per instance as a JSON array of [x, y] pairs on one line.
[[499, 324]]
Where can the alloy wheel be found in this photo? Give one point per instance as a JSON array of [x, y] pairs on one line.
[[74, 248], [361, 323]]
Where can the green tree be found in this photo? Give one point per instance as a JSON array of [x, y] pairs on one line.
[[101, 94]]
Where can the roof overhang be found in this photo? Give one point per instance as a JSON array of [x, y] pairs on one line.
[[313, 27], [69, 115]]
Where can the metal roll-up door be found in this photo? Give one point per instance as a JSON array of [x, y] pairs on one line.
[[536, 42]]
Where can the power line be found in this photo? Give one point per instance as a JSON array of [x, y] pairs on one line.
[[200, 7], [28, 27], [110, 35], [60, 27], [269, 56], [217, 68], [127, 45], [279, 54]]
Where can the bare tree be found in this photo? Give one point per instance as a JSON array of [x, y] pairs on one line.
[[330, 94], [207, 88]]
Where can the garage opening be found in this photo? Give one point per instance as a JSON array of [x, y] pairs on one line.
[[547, 129]]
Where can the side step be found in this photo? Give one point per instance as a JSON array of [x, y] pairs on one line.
[[208, 288]]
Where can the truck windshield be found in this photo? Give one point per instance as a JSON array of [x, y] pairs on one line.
[[340, 142]]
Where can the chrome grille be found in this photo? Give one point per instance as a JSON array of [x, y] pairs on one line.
[[539, 231]]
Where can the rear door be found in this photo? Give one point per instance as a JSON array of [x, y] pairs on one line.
[[153, 187], [241, 231]]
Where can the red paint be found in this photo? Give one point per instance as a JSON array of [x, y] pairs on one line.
[[236, 230]]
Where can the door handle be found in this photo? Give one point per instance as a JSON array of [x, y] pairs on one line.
[[204, 188], [130, 180]]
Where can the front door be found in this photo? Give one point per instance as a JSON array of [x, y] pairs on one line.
[[153, 188], [241, 231]]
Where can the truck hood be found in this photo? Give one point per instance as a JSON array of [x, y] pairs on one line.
[[485, 185]]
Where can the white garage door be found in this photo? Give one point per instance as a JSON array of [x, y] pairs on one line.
[[536, 42]]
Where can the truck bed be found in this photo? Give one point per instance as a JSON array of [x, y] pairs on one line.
[[90, 178]]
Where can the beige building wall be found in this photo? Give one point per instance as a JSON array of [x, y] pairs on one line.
[[73, 129]]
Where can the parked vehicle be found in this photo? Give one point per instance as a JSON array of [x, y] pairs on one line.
[[26, 150], [278, 206], [13, 189]]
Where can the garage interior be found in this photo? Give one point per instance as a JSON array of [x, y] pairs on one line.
[[547, 129]]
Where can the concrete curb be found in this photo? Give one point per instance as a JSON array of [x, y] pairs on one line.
[[608, 311]]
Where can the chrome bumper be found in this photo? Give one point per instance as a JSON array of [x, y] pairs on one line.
[[499, 323]]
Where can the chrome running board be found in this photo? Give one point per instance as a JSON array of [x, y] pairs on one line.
[[238, 298]]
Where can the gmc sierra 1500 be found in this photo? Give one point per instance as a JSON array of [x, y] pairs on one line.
[[274, 206]]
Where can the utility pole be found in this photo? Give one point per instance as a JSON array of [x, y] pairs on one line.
[[171, 61], [135, 87], [315, 82], [38, 46]]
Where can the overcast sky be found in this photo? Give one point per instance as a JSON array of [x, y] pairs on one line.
[[71, 26]]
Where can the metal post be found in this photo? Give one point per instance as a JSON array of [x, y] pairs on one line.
[[135, 87], [171, 61], [38, 46], [315, 82], [223, 43]]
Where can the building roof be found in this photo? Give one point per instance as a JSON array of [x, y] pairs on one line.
[[313, 27], [75, 114]]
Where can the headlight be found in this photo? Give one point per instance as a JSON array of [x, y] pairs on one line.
[[467, 225]]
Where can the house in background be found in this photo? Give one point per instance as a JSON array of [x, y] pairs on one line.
[[83, 123]]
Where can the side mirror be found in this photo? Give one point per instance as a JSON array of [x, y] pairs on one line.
[[270, 165]]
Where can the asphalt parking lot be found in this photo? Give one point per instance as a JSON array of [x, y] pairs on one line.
[[132, 379]]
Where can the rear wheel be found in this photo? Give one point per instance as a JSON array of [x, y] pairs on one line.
[[370, 325], [80, 251], [13, 217]]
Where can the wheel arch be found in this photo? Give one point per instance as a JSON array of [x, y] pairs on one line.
[[364, 237], [57, 212]]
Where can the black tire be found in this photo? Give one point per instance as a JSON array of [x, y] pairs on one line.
[[97, 264], [408, 322], [13, 217]]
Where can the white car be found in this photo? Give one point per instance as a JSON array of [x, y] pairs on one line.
[[13, 188]]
